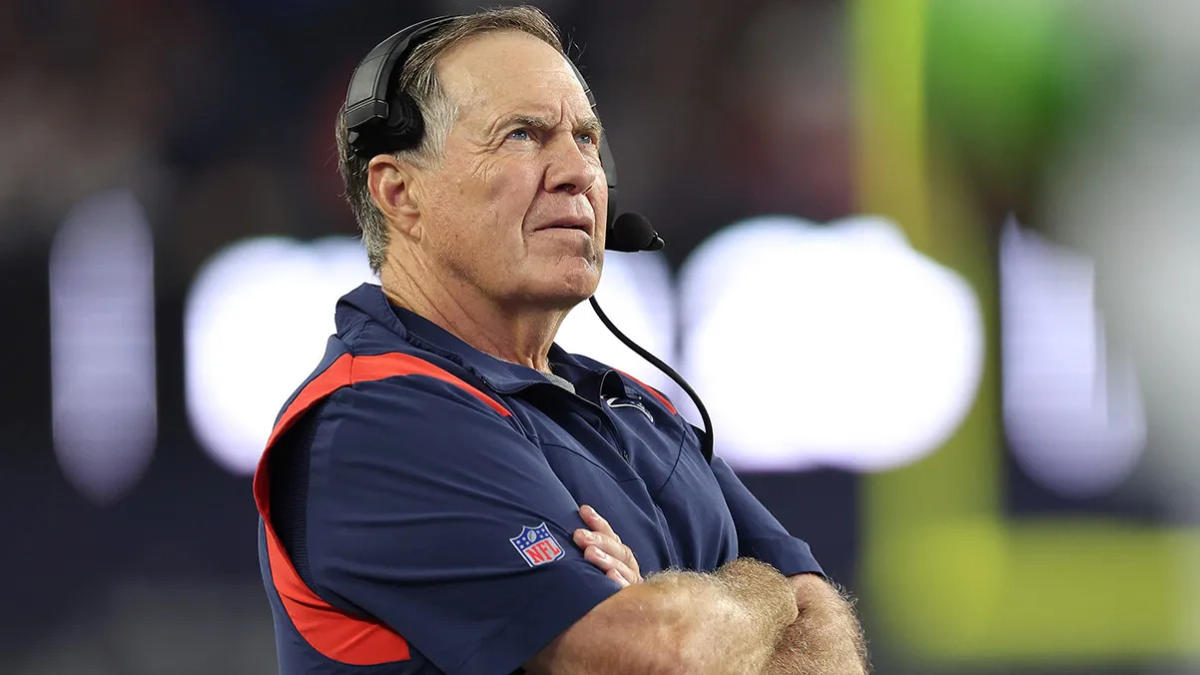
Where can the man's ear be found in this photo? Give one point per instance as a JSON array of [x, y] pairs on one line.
[[391, 184]]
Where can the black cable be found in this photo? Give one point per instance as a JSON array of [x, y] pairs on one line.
[[706, 441]]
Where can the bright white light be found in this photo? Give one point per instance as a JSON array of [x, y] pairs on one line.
[[255, 325], [636, 294], [102, 366], [832, 345], [1073, 414]]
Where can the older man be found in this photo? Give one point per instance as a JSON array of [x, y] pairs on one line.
[[429, 496]]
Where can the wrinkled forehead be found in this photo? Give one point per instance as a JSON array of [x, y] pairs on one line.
[[504, 69]]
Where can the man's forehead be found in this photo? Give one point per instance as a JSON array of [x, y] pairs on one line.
[[509, 68]]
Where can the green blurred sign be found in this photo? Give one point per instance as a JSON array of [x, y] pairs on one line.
[[948, 577]]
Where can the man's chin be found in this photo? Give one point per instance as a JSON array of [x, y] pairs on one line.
[[563, 291]]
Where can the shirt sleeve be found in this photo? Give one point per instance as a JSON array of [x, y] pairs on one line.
[[417, 492], [760, 535]]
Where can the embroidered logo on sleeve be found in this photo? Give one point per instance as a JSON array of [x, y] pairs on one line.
[[536, 545]]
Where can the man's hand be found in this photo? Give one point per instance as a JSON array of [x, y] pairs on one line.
[[603, 548], [825, 638]]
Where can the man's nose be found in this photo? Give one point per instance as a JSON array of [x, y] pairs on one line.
[[570, 170]]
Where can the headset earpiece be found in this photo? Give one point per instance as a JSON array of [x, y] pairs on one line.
[[402, 130], [404, 123], [380, 119]]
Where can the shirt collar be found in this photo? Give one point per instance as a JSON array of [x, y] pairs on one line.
[[497, 374]]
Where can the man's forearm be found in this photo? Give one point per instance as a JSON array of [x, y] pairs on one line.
[[725, 622], [743, 634], [825, 638]]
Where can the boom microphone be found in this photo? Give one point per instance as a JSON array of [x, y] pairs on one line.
[[631, 232]]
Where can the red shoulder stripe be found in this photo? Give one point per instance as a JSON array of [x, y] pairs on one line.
[[654, 392], [329, 630], [348, 370]]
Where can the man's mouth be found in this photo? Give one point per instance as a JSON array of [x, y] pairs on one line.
[[581, 224]]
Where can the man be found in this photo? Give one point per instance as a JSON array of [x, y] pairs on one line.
[[431, 497]]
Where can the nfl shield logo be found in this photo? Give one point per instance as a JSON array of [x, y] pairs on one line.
[[536, 545]]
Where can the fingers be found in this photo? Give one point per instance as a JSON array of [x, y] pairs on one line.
[[604, 549], [601, 526], [609, 539], [606, 553], [596, 521], [614, 568]]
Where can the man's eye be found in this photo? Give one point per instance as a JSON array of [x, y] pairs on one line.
[[519, 134], [586, 137]]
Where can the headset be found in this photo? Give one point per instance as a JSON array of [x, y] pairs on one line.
[[381, 118]]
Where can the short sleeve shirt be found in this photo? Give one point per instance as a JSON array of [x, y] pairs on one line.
[[427, 493]]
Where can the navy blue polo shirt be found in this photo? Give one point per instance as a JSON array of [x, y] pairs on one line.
[[418, 498]]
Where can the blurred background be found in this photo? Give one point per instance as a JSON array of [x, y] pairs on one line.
[[970, 227]]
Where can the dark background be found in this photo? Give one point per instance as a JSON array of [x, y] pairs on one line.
[[217, 116]]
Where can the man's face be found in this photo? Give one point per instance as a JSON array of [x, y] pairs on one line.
[[516, 208]]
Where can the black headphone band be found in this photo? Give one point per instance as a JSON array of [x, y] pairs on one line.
[[371, 96], [380, 118]]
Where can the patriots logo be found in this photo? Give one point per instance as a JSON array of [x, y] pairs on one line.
[[536, 545]]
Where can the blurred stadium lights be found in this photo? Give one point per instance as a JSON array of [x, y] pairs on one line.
[[834, 345], [255, 324], [102, 345], [1072, 410], [636, 293], [881, 348]]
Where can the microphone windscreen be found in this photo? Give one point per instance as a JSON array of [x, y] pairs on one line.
[[632, 232]]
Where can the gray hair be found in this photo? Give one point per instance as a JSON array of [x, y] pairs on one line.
[[418, 78]]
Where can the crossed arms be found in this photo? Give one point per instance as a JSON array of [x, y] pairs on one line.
[[407, 533], [744, 618]]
